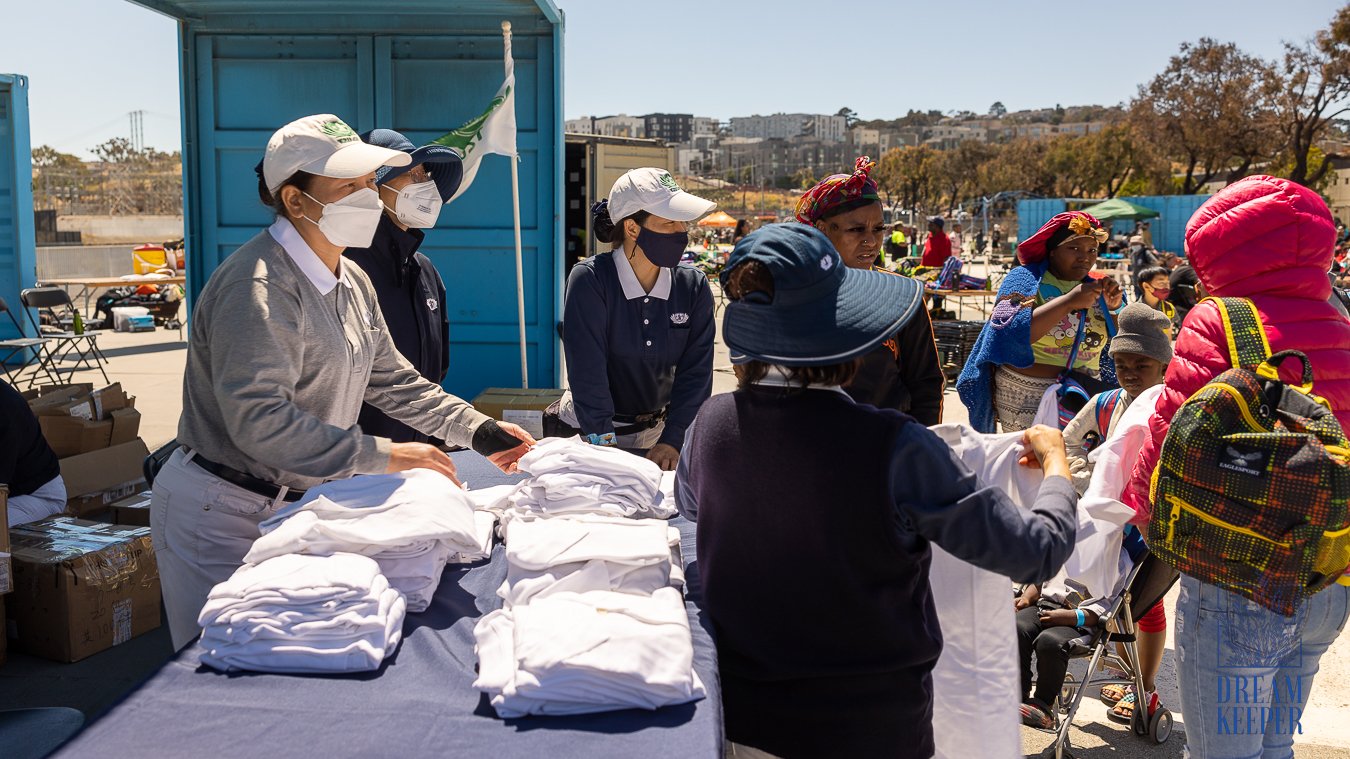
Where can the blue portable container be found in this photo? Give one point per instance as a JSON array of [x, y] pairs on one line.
[[422, 67]]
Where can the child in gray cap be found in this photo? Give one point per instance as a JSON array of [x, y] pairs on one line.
[[1141, 349]]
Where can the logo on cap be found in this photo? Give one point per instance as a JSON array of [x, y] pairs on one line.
[[668, 182], [338, 131], [826, 263]]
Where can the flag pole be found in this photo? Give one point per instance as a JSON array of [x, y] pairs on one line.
[[515, 208]]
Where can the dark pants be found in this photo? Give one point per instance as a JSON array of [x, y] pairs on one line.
[[1052, 661]]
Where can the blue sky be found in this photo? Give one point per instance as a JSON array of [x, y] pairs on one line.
[[93, 61]]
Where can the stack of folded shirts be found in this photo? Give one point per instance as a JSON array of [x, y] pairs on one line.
[[568, 476], [588, 552], [302, 614], [577, 653], [411, 522]]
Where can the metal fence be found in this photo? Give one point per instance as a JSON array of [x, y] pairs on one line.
[[110, 188]]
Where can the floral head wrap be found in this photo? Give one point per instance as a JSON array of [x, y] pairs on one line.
[[838, 190], [1062, 228]]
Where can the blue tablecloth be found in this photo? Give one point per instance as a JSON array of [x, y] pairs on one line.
[[420, 703]]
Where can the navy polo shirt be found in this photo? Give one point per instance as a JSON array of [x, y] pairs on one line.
[[631, 352]]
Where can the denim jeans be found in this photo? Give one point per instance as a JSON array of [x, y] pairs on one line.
[[1246, 672]]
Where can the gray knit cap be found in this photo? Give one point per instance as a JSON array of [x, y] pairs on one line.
[[1144, 330]]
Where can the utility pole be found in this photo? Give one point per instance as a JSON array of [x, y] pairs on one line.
[[137, 130]]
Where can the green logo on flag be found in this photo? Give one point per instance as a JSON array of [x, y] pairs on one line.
[[338, 131], [466, 137]]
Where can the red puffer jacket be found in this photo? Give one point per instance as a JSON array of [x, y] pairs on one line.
[[1272, 241]]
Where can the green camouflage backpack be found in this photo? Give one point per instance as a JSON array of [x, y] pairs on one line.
[[1252, 484]]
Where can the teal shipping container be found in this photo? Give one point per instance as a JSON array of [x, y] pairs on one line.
[[1169, 228], [18, 256]]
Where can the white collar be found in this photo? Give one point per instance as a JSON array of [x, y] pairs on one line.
[[777, 376], [288, 237], [632, 288]]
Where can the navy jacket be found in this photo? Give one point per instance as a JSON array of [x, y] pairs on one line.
[[636, 356], [412, 299], [815, 515]]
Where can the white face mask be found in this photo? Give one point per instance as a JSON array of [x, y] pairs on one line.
[[417, 205], [350, 222]]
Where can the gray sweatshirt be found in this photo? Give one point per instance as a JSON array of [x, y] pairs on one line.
[[277, 372]]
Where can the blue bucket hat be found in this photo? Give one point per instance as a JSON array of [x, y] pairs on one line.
[[821, 311], [444, 163]]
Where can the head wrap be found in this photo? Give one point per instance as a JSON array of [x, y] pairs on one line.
[[1062, 228], [838, 190]]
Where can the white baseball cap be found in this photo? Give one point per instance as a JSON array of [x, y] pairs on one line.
[[654, 191], [326, 146]]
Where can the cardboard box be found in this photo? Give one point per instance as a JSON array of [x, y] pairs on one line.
[[518, 406], [50, 395], [81, 587], [71, 435], [133, 510], [96, 479], [93, 405]]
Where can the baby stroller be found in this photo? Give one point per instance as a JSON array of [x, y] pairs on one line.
[[1149, 580]]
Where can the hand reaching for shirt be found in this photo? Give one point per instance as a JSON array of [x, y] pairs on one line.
[[1045, 451], [405, 456], [665, 456], [507, 460]]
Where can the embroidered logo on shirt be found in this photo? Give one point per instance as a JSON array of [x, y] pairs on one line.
[[826, 263], [679, 318], [433, 304]]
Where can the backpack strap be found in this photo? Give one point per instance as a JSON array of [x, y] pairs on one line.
[[1106, 408], [1248, 346], [1077, 342]]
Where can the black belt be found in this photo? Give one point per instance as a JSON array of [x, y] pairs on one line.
[[628, 425], [246, 481]]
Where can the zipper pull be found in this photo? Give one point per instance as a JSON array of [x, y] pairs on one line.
[[1173, 519]]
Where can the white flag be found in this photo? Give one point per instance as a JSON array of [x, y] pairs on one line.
[[492, 131]]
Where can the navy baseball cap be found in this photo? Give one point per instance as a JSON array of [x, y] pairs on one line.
[[821, 311], [444, 163]]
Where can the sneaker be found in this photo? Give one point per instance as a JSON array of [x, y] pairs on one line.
[[1036, 715]]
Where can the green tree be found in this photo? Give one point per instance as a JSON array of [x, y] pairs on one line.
[[1314, 93], [1211, 111]]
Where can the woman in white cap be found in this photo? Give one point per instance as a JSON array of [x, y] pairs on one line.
[[638, 326], [287, 341]]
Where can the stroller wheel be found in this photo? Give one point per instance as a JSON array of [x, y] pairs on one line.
[[1160, 727]]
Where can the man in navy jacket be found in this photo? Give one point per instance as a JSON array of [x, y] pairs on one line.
[[410, 289]]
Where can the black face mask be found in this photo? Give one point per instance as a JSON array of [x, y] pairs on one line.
[[663, 249]]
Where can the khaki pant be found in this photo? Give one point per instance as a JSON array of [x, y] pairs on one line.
[[202, 526]]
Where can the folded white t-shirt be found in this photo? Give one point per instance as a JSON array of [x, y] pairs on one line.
[[576, 653]]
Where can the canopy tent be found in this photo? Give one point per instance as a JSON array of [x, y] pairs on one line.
[[1118, 209], [717, 219]]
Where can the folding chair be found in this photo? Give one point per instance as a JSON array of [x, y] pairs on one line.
[[55, 304], [30, 348]]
